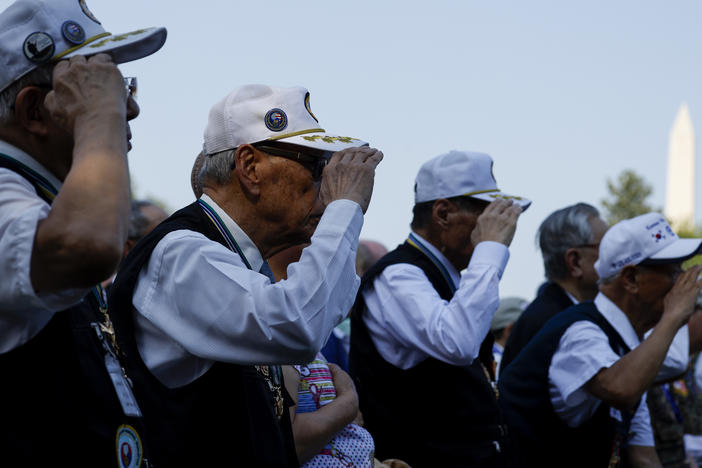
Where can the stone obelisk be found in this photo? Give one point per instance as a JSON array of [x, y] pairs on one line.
[[680, 186]]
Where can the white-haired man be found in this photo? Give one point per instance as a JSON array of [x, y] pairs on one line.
[[575, 394], [194, 306], [64, 212]]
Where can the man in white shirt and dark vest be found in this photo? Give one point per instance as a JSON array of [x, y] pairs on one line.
[[419, 353], [64, 212], [575, 395], [203, 326]]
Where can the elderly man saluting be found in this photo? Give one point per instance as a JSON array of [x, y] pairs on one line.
[[575, 396], [64, 212], [194, 305], [419, 351]]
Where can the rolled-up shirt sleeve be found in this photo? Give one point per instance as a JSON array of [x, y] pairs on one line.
[[23, 312], [201, 297]]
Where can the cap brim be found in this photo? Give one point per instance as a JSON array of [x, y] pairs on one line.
[[125, 47], [324, 141], [678, 251], [497, 195]]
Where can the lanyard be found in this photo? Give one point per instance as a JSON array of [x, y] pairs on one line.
[[273, 375], [417, 244]]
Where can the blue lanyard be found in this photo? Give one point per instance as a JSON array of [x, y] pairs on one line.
[[222, 228]]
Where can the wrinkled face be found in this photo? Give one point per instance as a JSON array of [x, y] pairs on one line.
[[655, 281], [456, 239], [291, 198]]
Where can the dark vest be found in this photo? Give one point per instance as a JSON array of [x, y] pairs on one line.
[[57, 402], [540, 437], [433, 414], [224, 418], [551, 300]]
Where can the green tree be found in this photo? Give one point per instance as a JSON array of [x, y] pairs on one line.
[[627, 197]]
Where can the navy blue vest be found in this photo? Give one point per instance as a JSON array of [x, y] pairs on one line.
[[433, 414], [541, 438], [57, 402], [224, 418]]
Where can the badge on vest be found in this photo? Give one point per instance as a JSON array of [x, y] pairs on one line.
[[129, 451]]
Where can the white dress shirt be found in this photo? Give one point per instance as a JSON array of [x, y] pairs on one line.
[[196, 301], [23, 313], [582, 352], [408, 321]]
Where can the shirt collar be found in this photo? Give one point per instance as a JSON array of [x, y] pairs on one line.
[[19, 155], [618, 320], [253, 256], [455, 275], [571, 297]]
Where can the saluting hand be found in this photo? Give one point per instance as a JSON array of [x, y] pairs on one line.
[[349, 175], [498, 222]]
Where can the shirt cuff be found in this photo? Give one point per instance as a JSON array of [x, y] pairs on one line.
[[490, 253], [342, 216]]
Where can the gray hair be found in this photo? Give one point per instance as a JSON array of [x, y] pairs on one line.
[[40, 75], [218, 167], [138, 222], [562, 230]]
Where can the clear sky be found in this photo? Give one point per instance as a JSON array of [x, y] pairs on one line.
[[562, 96]]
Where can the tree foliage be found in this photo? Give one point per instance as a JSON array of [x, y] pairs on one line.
[[627, 197]]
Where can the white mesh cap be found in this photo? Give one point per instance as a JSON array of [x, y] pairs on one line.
[[34, 32], [254, 113], [647, 237], [460, 173]]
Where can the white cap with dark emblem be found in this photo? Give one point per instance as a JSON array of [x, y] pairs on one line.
[[460, 173], [33, 32], [255, 113]]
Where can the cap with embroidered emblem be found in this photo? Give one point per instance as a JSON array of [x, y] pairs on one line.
[[647, 238], [256, 113], [460, 173], [34, 32]]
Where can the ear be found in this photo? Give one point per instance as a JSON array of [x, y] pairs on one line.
[[247, 167], [30, 112], [629, 279], [440, 212], [572, 261]]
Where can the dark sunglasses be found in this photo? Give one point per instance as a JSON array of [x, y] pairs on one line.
[[315, 164]]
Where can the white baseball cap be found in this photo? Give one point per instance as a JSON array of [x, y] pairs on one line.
[[34, 32], [460, 173], [255, 113], [508, 311], [647, 238]]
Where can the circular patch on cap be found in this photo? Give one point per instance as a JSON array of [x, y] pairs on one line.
[[87, 11], [129, 451], [276, 120], [73, 32], [39, 47]]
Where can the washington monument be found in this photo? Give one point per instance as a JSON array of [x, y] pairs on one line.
[[680, 186]]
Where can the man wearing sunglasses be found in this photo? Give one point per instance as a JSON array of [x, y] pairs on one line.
[[576, 394], [64, 211], [194, 306]]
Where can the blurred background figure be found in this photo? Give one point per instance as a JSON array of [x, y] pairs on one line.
[[145, 215], [508, 312], [368, 253]]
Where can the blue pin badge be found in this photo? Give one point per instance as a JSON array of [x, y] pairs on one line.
[[73, 32], [276, 120]]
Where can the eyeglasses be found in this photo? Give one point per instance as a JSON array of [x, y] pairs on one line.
[[587, 246], [314, 164], [130, 86]]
